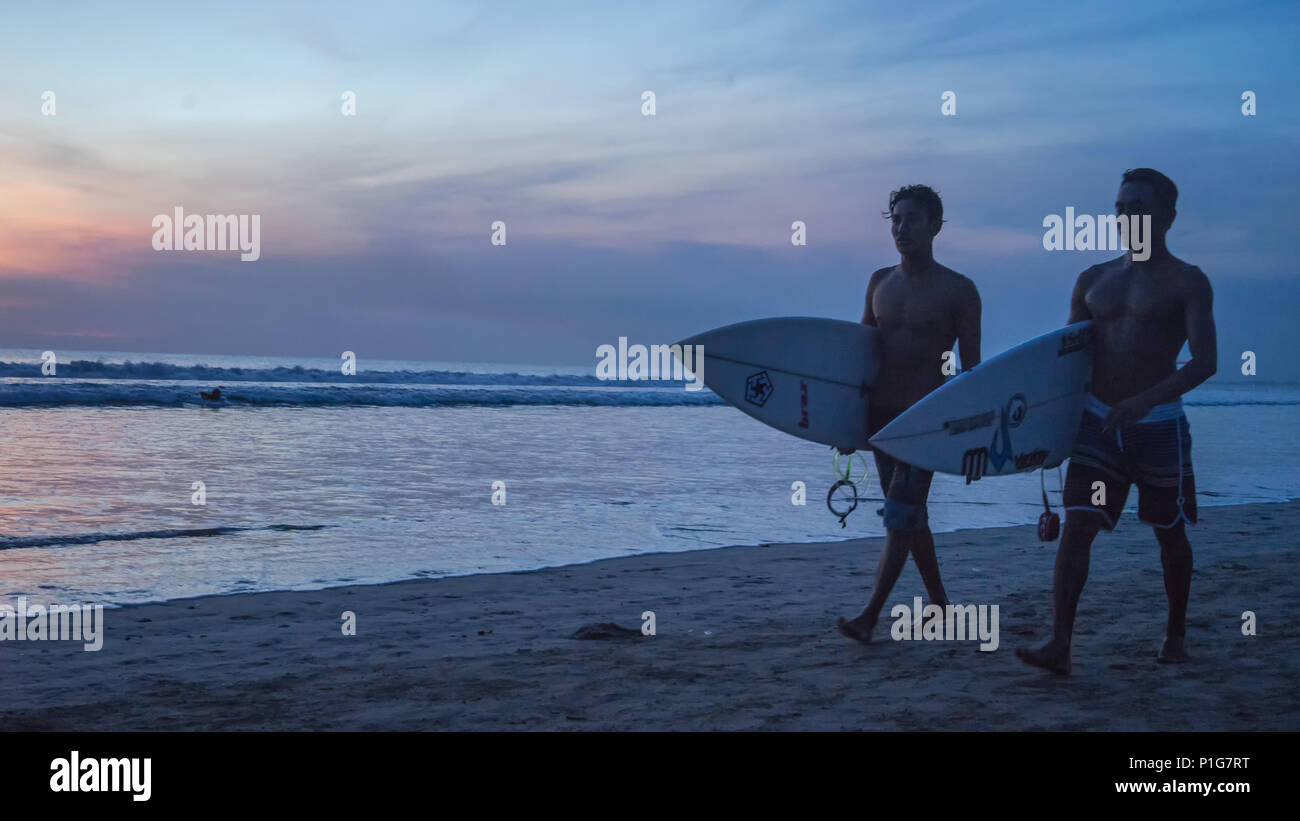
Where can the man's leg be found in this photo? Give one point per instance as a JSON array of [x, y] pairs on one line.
[[1072, 559], [892, 559], [889, 567], [898, 543], [928, 565], [914, 489], [1097, 485], [1176, 558], [1167, 493], [907, 529]]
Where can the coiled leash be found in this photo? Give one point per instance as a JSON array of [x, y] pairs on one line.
[[847, 500]]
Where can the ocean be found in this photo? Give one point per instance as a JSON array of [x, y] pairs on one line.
[[312, 479]]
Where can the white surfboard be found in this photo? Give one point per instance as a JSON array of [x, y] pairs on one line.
[[805, 376], [1018, 411]]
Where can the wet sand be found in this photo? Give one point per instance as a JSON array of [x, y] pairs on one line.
[[745, 640]]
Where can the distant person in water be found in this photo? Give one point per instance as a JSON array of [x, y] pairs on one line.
[[919, 308], [1133, 428], [212, 396]]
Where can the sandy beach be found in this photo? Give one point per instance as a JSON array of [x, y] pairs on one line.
[[745, 640]]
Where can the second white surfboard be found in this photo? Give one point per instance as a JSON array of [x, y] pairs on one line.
[[1018, 411]]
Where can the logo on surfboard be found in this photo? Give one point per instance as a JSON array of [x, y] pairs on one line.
[[1079, 340], [1016, 409], [1002, 453], [1032, 459], [970, 423], [974, 463], [1012, 415], [758, 388]]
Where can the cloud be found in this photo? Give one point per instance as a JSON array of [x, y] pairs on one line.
[[375, 228]]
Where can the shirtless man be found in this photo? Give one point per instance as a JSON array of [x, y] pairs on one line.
[[919, 308], [1134, 429]]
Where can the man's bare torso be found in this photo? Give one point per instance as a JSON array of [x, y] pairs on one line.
[[1139, 322], [919, 318]]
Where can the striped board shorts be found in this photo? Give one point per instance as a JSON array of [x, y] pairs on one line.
[[1154, 452]]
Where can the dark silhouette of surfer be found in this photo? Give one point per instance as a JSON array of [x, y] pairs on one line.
[[919, 308], [1133, 428], [213, 395]]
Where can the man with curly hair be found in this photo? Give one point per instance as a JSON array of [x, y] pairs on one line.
[[919, 308]]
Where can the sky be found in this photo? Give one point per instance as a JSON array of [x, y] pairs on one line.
[[376, 228]]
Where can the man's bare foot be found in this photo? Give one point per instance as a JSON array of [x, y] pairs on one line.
[[855, 629], [1049, 657], [1173, 651]]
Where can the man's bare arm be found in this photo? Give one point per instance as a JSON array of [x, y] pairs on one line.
[[1078, 300], [868, 312], [968, 325]]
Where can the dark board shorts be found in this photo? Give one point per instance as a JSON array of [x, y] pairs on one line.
[[1154, 453]]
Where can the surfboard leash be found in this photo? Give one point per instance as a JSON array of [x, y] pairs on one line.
[[1049, 524], [845, 480], [853, 501]]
